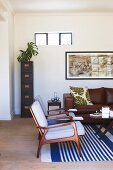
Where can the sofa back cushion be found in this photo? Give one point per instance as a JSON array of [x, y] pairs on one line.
[[109, 95], [97, 95]]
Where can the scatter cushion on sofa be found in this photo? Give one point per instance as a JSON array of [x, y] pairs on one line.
[[81, 95]]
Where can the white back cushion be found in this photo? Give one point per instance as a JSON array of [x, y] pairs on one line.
[[39, 114], [38, 98]]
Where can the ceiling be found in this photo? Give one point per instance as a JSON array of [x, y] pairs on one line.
[[62, 5]]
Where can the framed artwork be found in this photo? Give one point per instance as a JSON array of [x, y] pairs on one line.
[[89, 65]]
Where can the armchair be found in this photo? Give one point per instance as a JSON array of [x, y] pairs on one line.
[[53, 133]]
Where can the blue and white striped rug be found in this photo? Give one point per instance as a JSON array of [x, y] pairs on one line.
[[92, 148]]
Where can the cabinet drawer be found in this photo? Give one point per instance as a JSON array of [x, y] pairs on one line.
[[27, 88], [27, 99], [27, 78], [25, 112], [27, 66]]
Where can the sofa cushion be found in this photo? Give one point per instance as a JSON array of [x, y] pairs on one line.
[[88, 108], [109, 95], [97, 95], [81, 95]]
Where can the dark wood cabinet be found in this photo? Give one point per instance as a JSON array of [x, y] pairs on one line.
[[26, 88]]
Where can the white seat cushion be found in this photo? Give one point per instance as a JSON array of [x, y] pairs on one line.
[[60, 132], [66, 131], [80, 128], [39, 114]]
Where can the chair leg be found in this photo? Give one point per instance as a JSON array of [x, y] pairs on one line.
[[39, 148], [39, 145], [39, 136], [77, 141], [78, 145]]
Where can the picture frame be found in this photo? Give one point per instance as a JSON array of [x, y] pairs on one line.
[[88, 65]]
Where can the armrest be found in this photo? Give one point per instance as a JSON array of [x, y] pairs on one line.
[[68, 101], [62, 118], [61, 125], [54, 114]]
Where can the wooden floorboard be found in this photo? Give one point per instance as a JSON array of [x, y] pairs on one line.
[[18, 145]]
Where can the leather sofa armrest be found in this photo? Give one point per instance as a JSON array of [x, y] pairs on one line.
[[68, 101]]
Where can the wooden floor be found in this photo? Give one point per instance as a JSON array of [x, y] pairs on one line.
[[18, 145]]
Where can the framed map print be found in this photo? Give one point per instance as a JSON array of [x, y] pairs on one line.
[[89, 65]]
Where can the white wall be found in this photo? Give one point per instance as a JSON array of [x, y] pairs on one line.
[[6, 67], [11, 60], [4, 72], [91, 32]]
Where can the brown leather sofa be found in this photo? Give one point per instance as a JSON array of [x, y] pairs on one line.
[[99, 97]]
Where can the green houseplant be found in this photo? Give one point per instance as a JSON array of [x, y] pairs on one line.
[[32, 50]]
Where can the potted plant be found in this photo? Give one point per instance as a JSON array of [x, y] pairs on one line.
[[32, 50]]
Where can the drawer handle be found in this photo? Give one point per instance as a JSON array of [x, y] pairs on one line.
[[26, 65], [26, 75], [26, 97], [26, 86], [26, 107]]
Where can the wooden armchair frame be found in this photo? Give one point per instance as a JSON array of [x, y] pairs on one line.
[[43, 131]]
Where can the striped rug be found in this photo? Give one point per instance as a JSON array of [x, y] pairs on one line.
[[92, 148]]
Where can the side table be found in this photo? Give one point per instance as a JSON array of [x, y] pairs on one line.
[[54, 103]]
